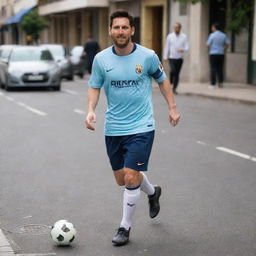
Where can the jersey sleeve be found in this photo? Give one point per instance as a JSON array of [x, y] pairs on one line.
[[97, 78], [156, 69]]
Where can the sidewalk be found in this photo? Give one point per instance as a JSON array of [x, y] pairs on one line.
[[5, 247], [234, 92]]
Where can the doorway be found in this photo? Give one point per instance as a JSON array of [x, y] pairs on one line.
[[154, 28]]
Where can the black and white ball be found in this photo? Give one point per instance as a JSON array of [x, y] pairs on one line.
[[63, 232]]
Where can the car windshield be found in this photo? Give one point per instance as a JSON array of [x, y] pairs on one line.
[[31, 55], [57, 50]]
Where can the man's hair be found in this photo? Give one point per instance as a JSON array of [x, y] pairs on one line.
[[121, 14], [216, 25], [177, 23]]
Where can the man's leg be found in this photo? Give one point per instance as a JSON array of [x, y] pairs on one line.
[[153, 192], [213, 69], [172, 70], [131, 179], [220, 70], [178, 69]]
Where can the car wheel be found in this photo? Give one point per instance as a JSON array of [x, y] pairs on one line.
[[81, 75], [7, 87], [56, 87], [71, 77], [1, 84]]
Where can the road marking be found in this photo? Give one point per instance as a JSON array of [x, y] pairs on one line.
[[78, 111], [36, 111], [236, 153], [22, 104], [229, 151], [9, 98], [70, 91], [202, 143]]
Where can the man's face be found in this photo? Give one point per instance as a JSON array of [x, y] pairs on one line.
[[177, 28], [121, 32]]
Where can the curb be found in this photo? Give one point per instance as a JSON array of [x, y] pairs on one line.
[[223, 98], [5, 247]]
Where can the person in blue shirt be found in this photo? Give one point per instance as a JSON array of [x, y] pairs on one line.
[[125, 71], [217, 43]]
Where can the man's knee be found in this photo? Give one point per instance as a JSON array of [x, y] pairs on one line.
[[120, 182], [132, 178]]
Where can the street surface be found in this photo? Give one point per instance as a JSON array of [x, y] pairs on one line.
[[52, 168]]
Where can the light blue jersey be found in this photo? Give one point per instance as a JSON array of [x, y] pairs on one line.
[[127, 81], [216, 41]]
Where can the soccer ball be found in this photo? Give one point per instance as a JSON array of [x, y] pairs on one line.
[[63, 232]]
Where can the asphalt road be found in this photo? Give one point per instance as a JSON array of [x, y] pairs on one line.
[[52, 168]]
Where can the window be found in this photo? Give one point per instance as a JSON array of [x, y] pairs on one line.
[[183, 9]]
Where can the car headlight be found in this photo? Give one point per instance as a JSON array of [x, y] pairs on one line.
[[15, 72]]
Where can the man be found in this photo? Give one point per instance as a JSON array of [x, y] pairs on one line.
[[91, 48], [125, 70], [176, 45], [217, 43]]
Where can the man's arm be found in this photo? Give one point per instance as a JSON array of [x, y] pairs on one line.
[[166, 90], [92, 99]]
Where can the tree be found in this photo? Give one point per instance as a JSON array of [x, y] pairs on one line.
[[33, 24], [238, 17]]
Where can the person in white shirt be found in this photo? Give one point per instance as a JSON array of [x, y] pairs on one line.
[[176, 45]]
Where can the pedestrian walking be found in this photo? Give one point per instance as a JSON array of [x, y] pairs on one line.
[[175, 47], [91, 48], [125, 71], [217, 43]]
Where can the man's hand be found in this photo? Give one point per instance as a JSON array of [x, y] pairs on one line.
[[180, 50], [174, 116], [90, 118]]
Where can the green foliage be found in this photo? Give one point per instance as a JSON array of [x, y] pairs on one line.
[[33, 24], [238, 17]]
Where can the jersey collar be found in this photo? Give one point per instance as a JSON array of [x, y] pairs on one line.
[[134, 48]]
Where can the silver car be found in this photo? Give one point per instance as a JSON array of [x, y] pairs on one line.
[[32, 66], [62, 58]]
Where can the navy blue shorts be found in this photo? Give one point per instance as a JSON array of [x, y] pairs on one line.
[[130, 151]]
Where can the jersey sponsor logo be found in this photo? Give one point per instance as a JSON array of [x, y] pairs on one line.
[[139, 69], [124, 83], [140, 164]]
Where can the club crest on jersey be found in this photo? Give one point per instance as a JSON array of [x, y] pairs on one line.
[[139, 69]]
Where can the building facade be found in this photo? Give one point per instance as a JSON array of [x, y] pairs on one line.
[[196, 21], [71, 22]]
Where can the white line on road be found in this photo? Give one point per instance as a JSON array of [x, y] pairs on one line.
[[70, 91], [78, 111], [9, 98], [236, 153], [22, 104], [36, 111], [202, 143]]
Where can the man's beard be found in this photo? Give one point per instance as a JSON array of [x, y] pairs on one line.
[[123, 45]]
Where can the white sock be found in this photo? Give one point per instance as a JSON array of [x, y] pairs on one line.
[[146, 186], [129, 204]]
